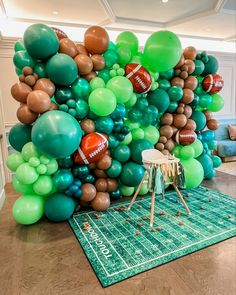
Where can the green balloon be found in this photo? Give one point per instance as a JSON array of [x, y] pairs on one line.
[[40, 69], [132, 125], [121, 153], [160, 99], [18, 71], [14, 161], [128, 138], [41, 41], [115, 169], [127, 40], [144, 189], [137, 133], [151, 134], [176, 151], [59, 207], [102, 101], [104, 74], [199, 119], [216, 161], [28, 209], [193, 173], [62, 179], [164, 84], [126, 191], [41, 169], [175, 93], [121, 87], [62, 69], [80, 89], [29, 150], [56, 134], [26, 174], [217, 103], [187, 152], [25, 189], [199, 67], [22, 59], [111, 46], [19, 135], [104, 125], [124, 55], [142, 104], [172, 106], [205, 100], [137, 147], [112, 141], [110, 57], [19, 45], [167, 74], [97, 83], [63, 94], [212, 145], [211, 66], [162, 51], [82, 109], [198, 148], [136, 59], [132, 174], [43, 185]]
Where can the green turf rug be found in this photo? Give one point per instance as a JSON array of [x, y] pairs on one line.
[[119, 244]]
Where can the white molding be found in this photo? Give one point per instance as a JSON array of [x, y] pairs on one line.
[[2, 6], [219, 5], [2, 198], [108, 9]]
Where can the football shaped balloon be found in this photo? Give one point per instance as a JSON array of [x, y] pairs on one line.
[[185, 136], [60, 34], [92, 147], [213, 83], [139, 77]]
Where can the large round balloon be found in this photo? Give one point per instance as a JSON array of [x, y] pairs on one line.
[[162, 51], [216, 104], [96, 40], [121, 87], [132, 174], [199, 119], [19, 135], [41, 41], [22, 59], [206, 163], [193, 173], [56, 134], [211, 66], [127, 40], [160, 99], [137, 147], [102, 101]]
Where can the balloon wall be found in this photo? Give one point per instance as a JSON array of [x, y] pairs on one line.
[[87, 111]]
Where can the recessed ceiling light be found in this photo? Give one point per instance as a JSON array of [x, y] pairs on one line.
[[164, 1], [55, 12]]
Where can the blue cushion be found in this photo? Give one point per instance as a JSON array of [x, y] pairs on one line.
[[226, 148], [222, 132]]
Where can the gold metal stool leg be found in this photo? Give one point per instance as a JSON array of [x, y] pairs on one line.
[[152, 209]]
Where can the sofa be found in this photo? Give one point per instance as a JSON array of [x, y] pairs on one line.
[[226, 148]]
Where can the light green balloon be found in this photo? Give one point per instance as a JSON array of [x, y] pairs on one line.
[[44, 159], [43, 185], [143, 190], [97, 83], [14, 161], [29, 150], [128, 139], [217, 103], [126, 191], [28, 209], [132, 125], [176, 151], [121, 87], [24, 189], [128, 40], [187, 152], [102, 101], [137, 133], [26, 174], [34, 162], [41, 169], [193, 172], [131, 102], [52, 167], [151, 134], [198, 148]]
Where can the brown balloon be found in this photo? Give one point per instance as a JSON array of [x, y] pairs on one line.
[[163, 139], [68, 47], [96, 40], [36, 76], [180, 110], [212, 124], [101, 185], [177, 82], [101, 202], [84, 64], [188, 96], [87, 125], [38, 101], [30, 80], [177, 72], [191, 125], [81, 49], [90, 76], [20, 91], [45, 85], [27, 71], [21, 78], [104, 162], [175, 130], [92, 166], [165, 152], [53, 107], [208, 114], [191, 65], [188, 111], [190, 53], [170, 145], [98, 62], [180, 63], [25, 115], [184, 68], [167, 119], [183, 75], [112, 185], [100, 173], [88, 192], [166, 131], [160, 146], [191, 82], [180, 120]]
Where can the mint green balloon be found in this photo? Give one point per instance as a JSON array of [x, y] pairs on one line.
[[121, 87], [127, 40], [144, 189], [193, 172], [14, 161], [28, 209], [132, 125], [34, 161], [126, 191], [151, 133], [43, 185], [128, 139], [198, 148], [137, 133], [176, 151], [52, 167], [24, 189], [131, 102], [124, 55], [29, 150], [26, 174], [187, 152], [217, 103], [22, 59], [41, 169], [102, 101], [97, 83]]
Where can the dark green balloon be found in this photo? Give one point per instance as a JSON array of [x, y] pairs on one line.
[[82, 109], [112, 45], [137, 147], [104, 74], [160, 99], [65, 162], [81, 171], [19, 45], [135, 115], [62, 179], [132, 174], [104, 125], [119, 112], [211, 67], [62, 69], [88, 179], [22, 59], [40, 70], [81, 89], [115, 169], [172, 107], [92, 116], [164, 84], [118, 125], [63, 94], [111, 57], [19, 135], [175, 93], [18, 71], [112, 141], [142, 104], [195, 101], [41, 41], [205, 100], [200, 119], [167, 75], [121, 153], [116, 195], [199, 67]]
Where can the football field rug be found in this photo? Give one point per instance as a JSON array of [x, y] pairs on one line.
[[120, 243]]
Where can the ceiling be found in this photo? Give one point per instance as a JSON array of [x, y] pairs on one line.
[[211, 19]]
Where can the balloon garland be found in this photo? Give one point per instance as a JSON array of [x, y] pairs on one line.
[[87, 111]]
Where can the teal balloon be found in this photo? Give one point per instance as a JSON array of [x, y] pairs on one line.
[[18, 71], [19, 135], [211, 174], [135, 115], [142, 104], [137, 147], [216, 161], [208, 136], [110, 57], [19, 45], [104, 125], [211, 67], [24, 189], [112, 45], [132, 174], [41, 41], [160, 99], [115, 169], [62, 69], [164, 84], [193, 172], [206, 163], [121, 153], [200, 119], [26, 174], [63, 94], [56, 134], [104, 74], [28, 209], [22, 59], [199, 67], [127, 40], [59, 207], [124, 55], [205, 100], [62, 179], [167, 74], [162, 51], [40, 69], [80, 89], [175, 93], [112, 141], [119, 112], [82, 109], [212, 145]]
